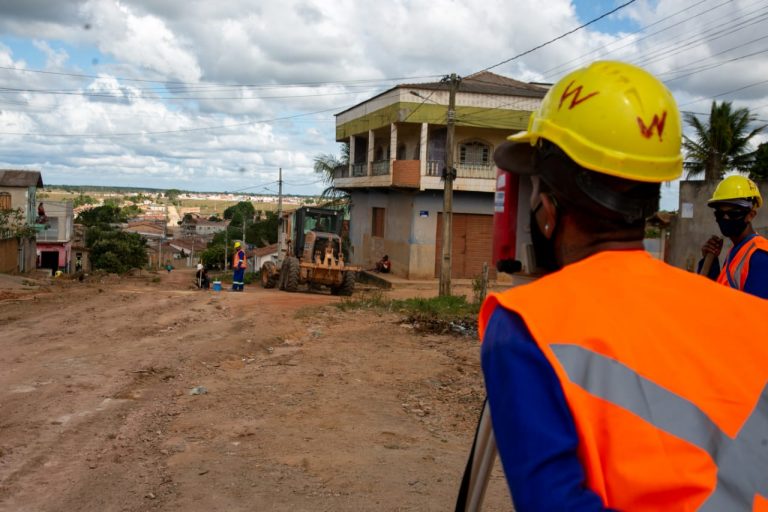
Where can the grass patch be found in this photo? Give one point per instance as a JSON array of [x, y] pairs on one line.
[[437, 307], [443, 315], [373, 299]]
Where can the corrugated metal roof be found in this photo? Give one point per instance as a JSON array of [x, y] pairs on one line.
[[16, 178]]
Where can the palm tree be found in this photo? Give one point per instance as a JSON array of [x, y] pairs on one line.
[[721, 144], [759, 169], [326, 166]]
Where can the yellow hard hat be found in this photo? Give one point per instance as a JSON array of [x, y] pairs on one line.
[[237, 245], [736, 187], [613, 118]]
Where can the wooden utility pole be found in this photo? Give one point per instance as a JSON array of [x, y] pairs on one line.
[[449, 174], [280, 228]]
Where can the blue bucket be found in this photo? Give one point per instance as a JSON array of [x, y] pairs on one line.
[[217, 286]]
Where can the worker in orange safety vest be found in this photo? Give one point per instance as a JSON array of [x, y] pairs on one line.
[[611, 381], [735, 203], [239, 265]]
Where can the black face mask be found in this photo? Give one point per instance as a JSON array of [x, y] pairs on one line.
[[543, 247], [732, 226]]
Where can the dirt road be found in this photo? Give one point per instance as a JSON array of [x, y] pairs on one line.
[[307, 407]]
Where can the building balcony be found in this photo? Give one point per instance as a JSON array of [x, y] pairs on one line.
[[408, 174]]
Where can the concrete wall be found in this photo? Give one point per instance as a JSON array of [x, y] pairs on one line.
[[695, 223], [409, 230], [24, 198]]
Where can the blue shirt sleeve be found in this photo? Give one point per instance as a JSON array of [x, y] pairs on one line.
[[757, 278], [714, 271], [535, 432]]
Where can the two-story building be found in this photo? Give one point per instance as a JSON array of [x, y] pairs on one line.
[[54, 242], [18, 190], [194, 225], [397, 149]]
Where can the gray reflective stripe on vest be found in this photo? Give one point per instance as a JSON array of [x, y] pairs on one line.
[[742, 462], [735, 280]]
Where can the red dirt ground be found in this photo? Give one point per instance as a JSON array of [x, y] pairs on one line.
[[308, 407]]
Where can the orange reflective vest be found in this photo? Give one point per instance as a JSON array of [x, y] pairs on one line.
[[238, 259], [735, 270], [665, 375]]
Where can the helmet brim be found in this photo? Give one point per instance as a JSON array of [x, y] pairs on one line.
[[515, 157]]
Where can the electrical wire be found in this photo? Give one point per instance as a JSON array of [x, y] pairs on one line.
[[561, 36], [265, 85], [165, 132], [555, 71]]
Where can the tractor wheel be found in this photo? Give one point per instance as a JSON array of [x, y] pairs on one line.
[[269, 274], [347, 284], [292, 269]]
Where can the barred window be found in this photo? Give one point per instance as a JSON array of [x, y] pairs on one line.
[[474, 153]]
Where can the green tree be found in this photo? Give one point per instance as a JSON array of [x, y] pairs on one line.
[[720, 144], [12, 224], [82, 199], [759, 169], [107, 214], [327, 165], [172, 194], [263, 232], [113, 250], [240, 211]]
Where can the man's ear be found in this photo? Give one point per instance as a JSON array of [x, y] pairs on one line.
[[751, 215], [548, 215]]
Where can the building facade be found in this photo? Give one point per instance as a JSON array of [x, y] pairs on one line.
[[18, 190], [54, 242], [397, 150]]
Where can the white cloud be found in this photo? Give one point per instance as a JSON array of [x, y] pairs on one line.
[[244, 62]]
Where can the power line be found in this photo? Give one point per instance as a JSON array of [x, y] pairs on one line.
[[265, 85], [555, 70], [185, 98], [164, 132], [724, 93], [590, 22], [713, 66], [707, 36]]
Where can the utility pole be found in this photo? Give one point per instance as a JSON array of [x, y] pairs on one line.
[[280, 230], [449, 174]]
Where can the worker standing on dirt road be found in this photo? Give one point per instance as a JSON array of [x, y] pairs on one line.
[[735, 203], [609, 380], [238, 266]]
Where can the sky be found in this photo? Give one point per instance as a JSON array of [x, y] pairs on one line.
[[216, 96]]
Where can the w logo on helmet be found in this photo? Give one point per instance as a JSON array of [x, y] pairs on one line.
[[576, 93], [647, 131]]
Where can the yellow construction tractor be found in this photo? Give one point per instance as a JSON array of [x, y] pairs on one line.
[[310, 252]]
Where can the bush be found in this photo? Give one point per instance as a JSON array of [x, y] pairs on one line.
[[114, 250]]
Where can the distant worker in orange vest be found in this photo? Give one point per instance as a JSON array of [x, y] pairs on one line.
[[615, 381], [238, 266], [735, 202]]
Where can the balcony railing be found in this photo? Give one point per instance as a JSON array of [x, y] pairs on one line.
[[476, 171], [380, 168], [360, 169], [341, 171], [435, 168]]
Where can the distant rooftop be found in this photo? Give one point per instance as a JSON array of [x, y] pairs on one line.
[[19, 178]]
